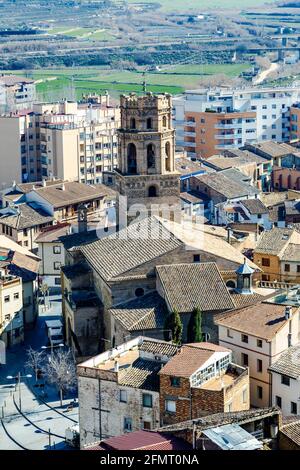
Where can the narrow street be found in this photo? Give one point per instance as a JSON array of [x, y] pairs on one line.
[[41, 422]]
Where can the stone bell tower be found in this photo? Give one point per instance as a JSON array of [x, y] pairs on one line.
[[146, 173]]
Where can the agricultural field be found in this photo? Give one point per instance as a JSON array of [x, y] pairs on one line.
[[180, 5], [171, 79], [91, 34]]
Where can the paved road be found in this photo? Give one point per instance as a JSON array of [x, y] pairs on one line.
[[41, 423]]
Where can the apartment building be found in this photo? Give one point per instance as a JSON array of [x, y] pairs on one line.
[[211, 121], [68, 140], [11, 303], [16, 93], [257, 336]]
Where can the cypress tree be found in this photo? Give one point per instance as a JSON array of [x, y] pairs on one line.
[[195, 334], [174, 323]]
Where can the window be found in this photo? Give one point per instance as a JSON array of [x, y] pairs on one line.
[[244, 338], [285, 380], [278, 401], [293, 408], [175, 381], [56, 265], [265, 262], [196, 258], [6, 299], [127, 424], [259, 365], [245, 395], [245, 361], [57, 281], [229, 335], [259, 392], [146, 425], [229, 407], [287, 268], [274, 106], [123, 396], [259, 343], [139, 292], [298, 268], [57, 250], [149, 123], [16, 295], [264, 106], [147, 400], [170, 406]]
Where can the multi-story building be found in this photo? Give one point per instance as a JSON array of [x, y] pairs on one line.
[[211, 121], [68, 140], [257, 336], [16, 93], [11, 303]]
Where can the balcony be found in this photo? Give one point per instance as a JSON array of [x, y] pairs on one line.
[[189, 134], [228, 136], [228, 126], [190, 123], [226, 146], [189, 144]]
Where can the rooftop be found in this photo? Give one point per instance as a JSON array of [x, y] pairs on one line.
[[274, 241], [23, 216], [226, 186], [274, 149], [288, 363], [262, 320], [232, 437], [254, 206], [60, 195], [52, 234], [188, 286], [185, 166], [11, 80], [292, 431], [76, 240]]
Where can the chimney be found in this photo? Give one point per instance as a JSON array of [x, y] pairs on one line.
[[116, 366], [63, 187], [44, 183], [288, 312], [228, 235]]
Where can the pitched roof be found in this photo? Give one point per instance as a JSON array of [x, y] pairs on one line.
[[27, 187], [291, 253], [143, 313], [292, 431], [142, 440], [24, 266], [242, 300], [11, 80], [141, 374], [225, 186], [254, 206], [274, 241], [187, 286], [288, 363], [23, 216], [72, 193], [274, 149], [158, 347], [190, 358], [263, 320], [76, 240], [133, 246], [53, 233], [232, 437]]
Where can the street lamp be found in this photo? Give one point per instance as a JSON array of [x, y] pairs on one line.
[[18, 378], [60, 345]]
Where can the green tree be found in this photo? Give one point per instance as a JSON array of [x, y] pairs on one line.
[[174, 324], [195, 334]]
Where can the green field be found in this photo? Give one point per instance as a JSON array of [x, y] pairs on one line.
[[172, 79], [90, 34], [172, 5]]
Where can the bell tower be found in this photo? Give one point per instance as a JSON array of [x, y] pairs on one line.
[[146, 173]]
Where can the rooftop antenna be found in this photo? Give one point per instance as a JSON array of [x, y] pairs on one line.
[[144, 83]]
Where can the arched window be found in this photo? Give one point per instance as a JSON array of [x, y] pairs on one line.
[[131, 159], [164, 121], [230, 284], [149, 123], [152, 192], [139, 292], [132, 123], [150, 156], [168, 159]]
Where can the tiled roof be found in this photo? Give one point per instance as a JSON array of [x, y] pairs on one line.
[[185, 166], [143, 313], [27, 187], [292, 431], [189, 358], [72, 193], [291, 253], [24, 266], [53, 233], [133, 246], [141, 374], [11, 80], [142, 440], [263, 320], [242, 300], [272, 199], [273, 241], [254, 206], [187, 286], [158, 347], [275, 149], [25, 217], [225, 186], [75, 240], [288, 363], [245, 156], [292, 207]]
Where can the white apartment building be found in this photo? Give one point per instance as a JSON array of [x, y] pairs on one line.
[[208, 122], [16, 93], [68, 140], [11, 304], [285, 379]]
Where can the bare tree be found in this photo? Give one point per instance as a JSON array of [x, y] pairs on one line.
[[35, 360], [61, 372]]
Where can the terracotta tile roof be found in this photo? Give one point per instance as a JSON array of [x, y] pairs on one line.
[[292, 431], [274, 149], [72, 193], [226, 186], [255, 206], [53, 234], [25, 217], [76, 240], [141, 374], [27, 187], [274, 241], [143, 313], [133, 246], [158, 347], [187, 286], [189, 358], [288, 363], [142, 440], [263, 320], [291, 253], [11, 80], [242, 300]]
